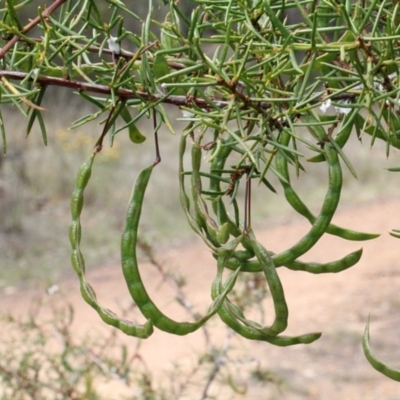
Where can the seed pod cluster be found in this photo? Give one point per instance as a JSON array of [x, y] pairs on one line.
[[230, 238]]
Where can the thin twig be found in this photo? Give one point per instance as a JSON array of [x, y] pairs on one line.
[[99, 144], [27, 382], [218, 363], [45, 14]]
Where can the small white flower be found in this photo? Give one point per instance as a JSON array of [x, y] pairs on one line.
[[164, 88], [35, 72], [343, 110], [325, 105], [113, 45]]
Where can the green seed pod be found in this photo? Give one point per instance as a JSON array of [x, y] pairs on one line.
[[223, 233]]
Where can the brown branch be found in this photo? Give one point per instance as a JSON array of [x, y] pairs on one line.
[[123, 94], [46, 13], [99, 144], [126, 94]]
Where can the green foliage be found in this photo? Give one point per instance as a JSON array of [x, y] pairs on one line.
[[254, 80]]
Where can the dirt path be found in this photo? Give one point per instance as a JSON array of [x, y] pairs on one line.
[[338, 305]]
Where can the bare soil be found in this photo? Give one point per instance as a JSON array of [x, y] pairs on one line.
[[338, 305]]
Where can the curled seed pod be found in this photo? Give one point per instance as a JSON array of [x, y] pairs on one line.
[[78, 262], [323, 220], [275, 287], [294, 200], [375, 362], [233, 314], [132, 275], [229, 313]]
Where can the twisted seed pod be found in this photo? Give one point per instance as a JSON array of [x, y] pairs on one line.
[[229, 313], [78, 262], [132, 275], [275, 287]]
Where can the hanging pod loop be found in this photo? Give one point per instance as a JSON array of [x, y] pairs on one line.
[[78, 262], [132, 275]]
